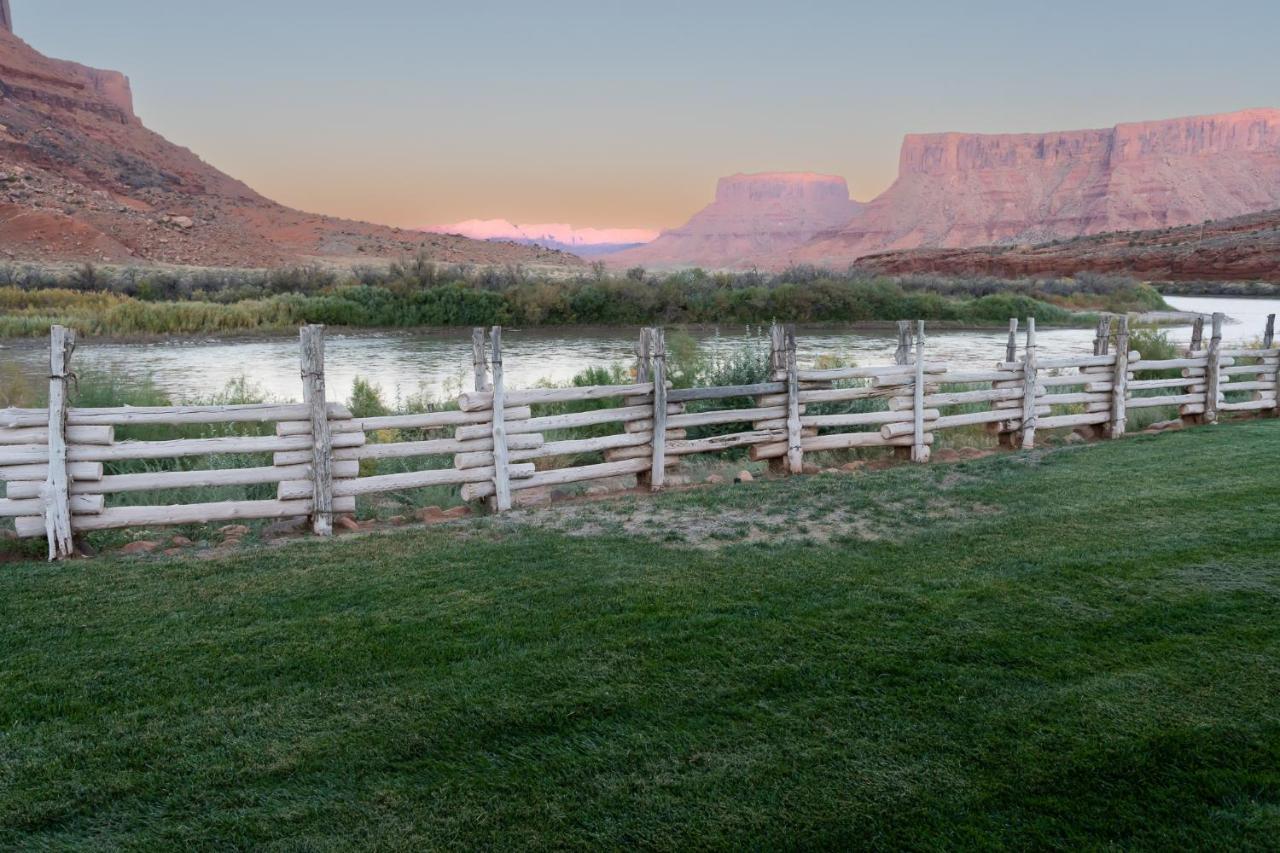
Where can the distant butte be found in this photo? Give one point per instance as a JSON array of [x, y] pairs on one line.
[[753, 216]]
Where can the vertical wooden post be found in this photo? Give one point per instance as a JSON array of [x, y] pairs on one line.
[[795, 448], [1120, 381], [644, 373], [903, 354], [1002, 429], [1011, 348], [919, 449], [658, 470], [1268, 341], [57, 504], [501, 474], [1102, 337], [1213, 371], [1197, 333], [479, 364], [1029, 382], [777, 353], [642, 357], [313, 394]]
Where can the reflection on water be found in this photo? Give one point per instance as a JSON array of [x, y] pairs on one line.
[[438, 362]]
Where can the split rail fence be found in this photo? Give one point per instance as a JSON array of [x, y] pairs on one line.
[[57, 462]]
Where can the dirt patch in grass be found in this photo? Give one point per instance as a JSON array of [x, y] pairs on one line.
[[815, 510]]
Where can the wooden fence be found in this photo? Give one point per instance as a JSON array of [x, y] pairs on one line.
[[56, 462]]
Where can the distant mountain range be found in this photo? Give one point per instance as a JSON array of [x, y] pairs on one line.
[[584, 242]]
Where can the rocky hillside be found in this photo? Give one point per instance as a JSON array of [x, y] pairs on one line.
[[81, 179], [753, 219], [956, 190], [1244, 248]]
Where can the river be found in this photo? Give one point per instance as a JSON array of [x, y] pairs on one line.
[[437, 362]]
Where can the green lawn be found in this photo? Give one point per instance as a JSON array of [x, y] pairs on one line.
[[1078, 647]]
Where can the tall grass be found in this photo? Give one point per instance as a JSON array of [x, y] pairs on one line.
[[132, 302]]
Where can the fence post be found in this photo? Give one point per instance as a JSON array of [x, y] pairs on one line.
[[644, 373], [1120, 381], [795, 447], [313, 394], [1268, 341], [642, 357], [1011, 348], [1197, 333], [919, 449], [1029, 388], [903, 354], [1102, 337], [658, 470], [501, 474], [479, 364], [1213, 371], [57, 503]]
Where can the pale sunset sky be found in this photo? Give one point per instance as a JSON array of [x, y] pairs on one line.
[[625, 113]]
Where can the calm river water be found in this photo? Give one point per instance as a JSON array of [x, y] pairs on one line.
[[437, 362]]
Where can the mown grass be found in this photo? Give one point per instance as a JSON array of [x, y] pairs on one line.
[[1075, 648]]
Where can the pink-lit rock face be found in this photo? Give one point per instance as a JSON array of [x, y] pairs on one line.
[[754, 218], [958, 190]]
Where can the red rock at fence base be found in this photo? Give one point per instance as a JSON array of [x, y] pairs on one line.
[[1161, 426], [346, 522], [714, 479], [181, 542], [234, 530], [286, 527], [142, 546], [744, 477], [172, 552], [430, 514], [457, 512]]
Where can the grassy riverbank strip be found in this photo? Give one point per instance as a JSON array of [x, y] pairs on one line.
[[1067, 648], [141, 303]]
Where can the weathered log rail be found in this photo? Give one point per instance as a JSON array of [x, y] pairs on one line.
[[55, 462]]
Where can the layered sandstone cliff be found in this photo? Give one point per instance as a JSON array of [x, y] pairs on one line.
[[956, 190], [81, 179], [753, 217]]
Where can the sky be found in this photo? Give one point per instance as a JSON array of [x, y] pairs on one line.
[[624, 114]]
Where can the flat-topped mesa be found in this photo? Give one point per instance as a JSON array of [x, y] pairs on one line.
[[753, 219], [1248, 131], [954, 153], [819, 195], [958, 190]]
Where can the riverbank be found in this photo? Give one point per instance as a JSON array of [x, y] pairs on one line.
[[137, 307], [900, 658]]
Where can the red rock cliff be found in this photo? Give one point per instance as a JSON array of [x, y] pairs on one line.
[[956, 190]]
